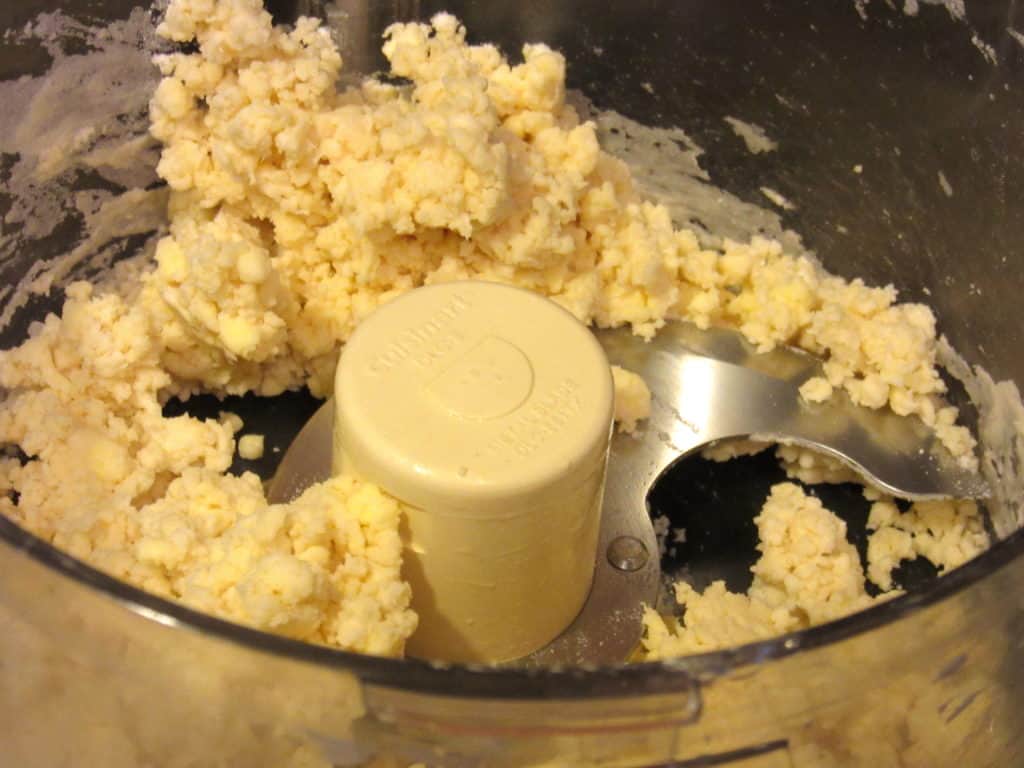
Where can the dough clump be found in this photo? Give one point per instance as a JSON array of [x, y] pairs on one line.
[[297, 210], [145, 498], [809, 573], [947, 533]]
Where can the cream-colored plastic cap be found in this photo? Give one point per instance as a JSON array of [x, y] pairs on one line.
[[487, 411]]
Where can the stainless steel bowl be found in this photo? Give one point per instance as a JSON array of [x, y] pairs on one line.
[[95, 672]]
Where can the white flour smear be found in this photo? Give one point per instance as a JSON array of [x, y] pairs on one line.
[[957, 11], [1000, 435], [665, 165], [753, 136], [83, 156]]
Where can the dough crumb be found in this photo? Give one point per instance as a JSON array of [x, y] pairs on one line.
[[250, 447], [778, 198], [232, 421], [632, 399], [816, 390]]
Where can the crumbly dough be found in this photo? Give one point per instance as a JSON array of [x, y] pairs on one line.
[[946, 533], [295, 210], [808, 573], [145, 498]]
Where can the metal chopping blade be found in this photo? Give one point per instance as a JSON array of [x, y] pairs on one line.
[[706, 385]]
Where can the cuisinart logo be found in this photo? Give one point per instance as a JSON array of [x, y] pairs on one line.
[[425, 343], [541, 419]]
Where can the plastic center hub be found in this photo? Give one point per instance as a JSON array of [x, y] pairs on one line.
[[491, 380], [486, 410]]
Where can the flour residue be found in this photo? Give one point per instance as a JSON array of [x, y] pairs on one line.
[[82, 152], [135, 212], [753, 136], [1001, 437], [987, 51], [955, 8], [665, 165], [777, 198], [957, 11], [944, 185]]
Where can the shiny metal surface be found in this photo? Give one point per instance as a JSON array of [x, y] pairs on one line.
[[710, 385], [93, 672], [706, 385]]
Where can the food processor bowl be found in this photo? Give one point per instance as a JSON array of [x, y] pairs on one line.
[[901, 152]]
